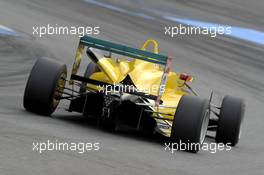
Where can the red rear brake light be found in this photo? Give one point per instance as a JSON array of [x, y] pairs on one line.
[[185, 77]]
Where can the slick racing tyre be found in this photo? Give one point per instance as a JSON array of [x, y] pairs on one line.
[[45, 86], [190, 123], [230, 119]]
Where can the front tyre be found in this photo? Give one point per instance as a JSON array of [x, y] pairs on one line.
[[230, 119], [190, 123], [45, 86]]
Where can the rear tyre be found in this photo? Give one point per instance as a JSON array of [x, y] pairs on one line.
[[91, 68], [230, 119], [45, 86], [190, 123]]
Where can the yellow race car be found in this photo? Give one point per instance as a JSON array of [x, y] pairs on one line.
[[133, 88]]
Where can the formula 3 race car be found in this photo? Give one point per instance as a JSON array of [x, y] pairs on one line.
[[134, 88]]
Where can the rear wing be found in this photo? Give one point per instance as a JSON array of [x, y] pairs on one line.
[[122, 50]]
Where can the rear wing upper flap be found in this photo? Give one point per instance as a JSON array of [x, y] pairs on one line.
[[123, 50]]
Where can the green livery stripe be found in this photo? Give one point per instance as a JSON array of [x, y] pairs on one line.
[[123, 50]]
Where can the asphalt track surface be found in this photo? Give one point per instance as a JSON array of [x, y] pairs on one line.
[[225, 64]]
